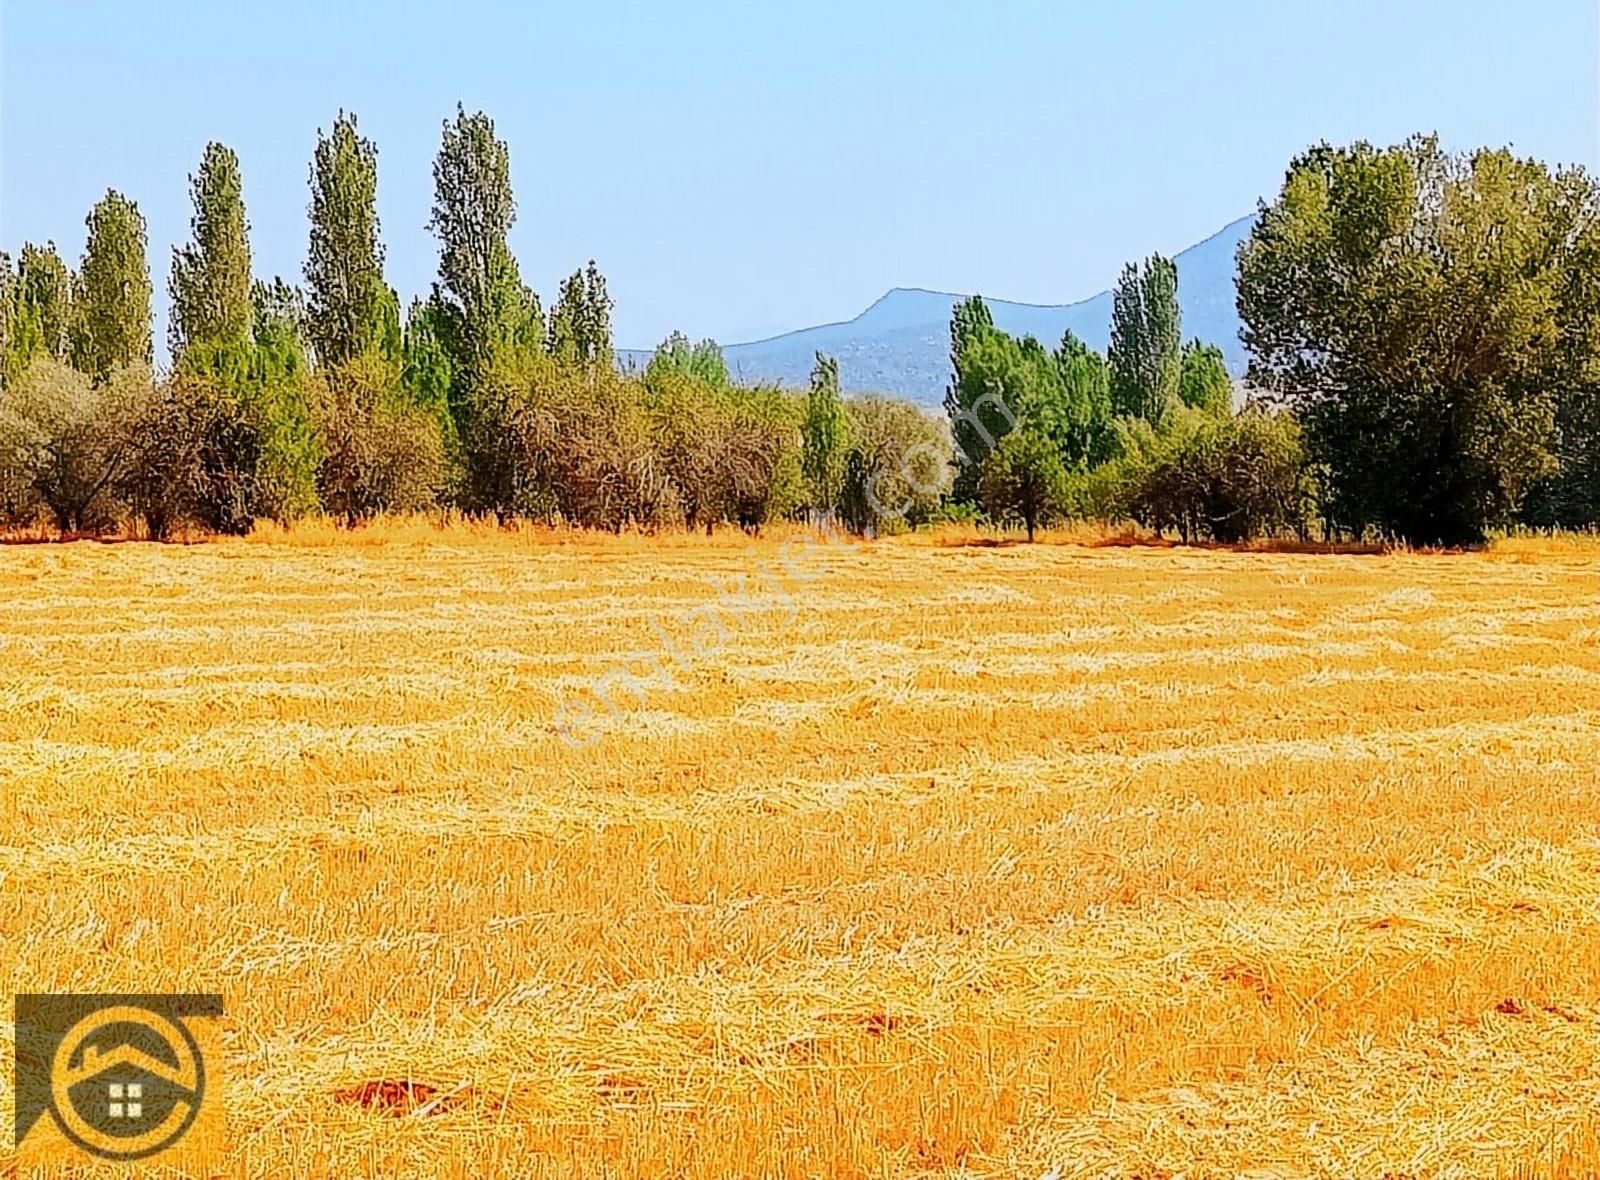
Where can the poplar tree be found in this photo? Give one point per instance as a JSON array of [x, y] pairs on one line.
[[825, 434], [348, 303], [1146, 333], [42, 307], [1204, 383], [111, 314], [483, 303], [580, 322], [210, 281]]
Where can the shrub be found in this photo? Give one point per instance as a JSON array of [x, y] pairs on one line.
[[380, 453], [63, 443]]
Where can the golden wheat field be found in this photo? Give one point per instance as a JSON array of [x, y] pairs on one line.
[[520, 854]]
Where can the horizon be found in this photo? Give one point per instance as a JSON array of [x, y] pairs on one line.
[[900, 181]]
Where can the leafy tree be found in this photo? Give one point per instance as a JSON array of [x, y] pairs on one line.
[[979, 414], [278, 398], [1417, 309], [580, 322], [677, 356], [484, 308], [1216, 477], [897, 467], [63, 443], [426, 373], [1023, 478], [8, 304], [379, 452], [826, 435], [1204, 383], [1078, 417], [210, 281], [111, 312], [1145, 337], [41, 319], [349, 306]]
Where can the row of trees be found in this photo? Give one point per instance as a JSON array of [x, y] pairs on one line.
[[282, 399], [1146, 431], [1424, 332]]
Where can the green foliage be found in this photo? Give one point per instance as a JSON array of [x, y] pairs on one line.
[[62, 445], [1076, 416], [896, 469], [1223, 478], [1023, 479], [1420, 313], [580, 322], [677, 356], [825, 437], [485, 312], [1204, 383], [379, 450], [350, 309], [977, 407], [1145, 336], [426, 373], [210, 281], [41, 316], [111, 297]]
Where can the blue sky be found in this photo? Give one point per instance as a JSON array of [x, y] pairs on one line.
[[741, 168]]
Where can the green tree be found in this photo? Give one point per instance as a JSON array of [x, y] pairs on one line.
[[1418, 311], [111, 313], [1204, 383], [1080, 425], [484, 307], [426, 373], [41, 319], [210, 281], [1145, 337], [8, 307], [1023, 478], [278, 399], [826, 436], [580, 322], [897, 467], [350, 307], [677, 356], [978, 415]]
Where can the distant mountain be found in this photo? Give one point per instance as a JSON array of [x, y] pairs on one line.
[[901, 344]]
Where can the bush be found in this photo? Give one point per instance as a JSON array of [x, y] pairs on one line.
[[379, 452], [898, 467], [1226, 479], [63, 444]]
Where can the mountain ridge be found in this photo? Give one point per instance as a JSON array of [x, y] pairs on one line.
[[899, 343]]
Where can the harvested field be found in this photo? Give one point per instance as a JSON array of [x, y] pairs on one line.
[[521, 855]]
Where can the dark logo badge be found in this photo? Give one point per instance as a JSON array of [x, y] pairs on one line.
[[123, 1076]]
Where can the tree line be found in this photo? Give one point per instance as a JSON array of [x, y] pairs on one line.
[[1424, 340], [1424, 333]]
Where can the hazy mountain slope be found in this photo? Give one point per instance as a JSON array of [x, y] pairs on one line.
[[901, 344]]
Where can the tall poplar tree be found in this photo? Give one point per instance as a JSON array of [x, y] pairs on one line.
[[580, 322], [42, 307], [825, 434], [111, 313], [484, 305], [1146, 339], [210, 281], [348, 302]]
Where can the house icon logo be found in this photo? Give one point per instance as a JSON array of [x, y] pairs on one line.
[[122, 1076]]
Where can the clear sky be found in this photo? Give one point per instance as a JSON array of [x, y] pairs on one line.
[[746, 167]]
